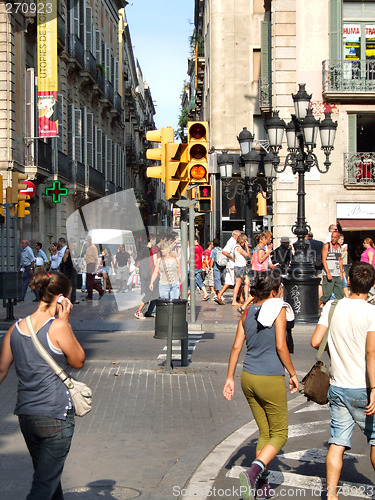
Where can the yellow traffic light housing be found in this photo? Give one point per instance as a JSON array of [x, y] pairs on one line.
[[205, 198], [164, 136], [23, 206], [261, 204], [17, 178], [198, 152]]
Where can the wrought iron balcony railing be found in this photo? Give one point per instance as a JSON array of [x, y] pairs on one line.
[[90, 63], [359, 169], [349, 76], [75, 49]]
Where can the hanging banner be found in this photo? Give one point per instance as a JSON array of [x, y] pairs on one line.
[[47, 68]]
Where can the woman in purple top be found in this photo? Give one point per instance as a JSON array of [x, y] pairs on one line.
[[368, 254]]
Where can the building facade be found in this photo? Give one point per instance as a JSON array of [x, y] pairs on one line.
[[104, 109], [255, 55]]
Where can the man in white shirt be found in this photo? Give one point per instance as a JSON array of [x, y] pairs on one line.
[[351, 344], [61, 252], [229, 270]]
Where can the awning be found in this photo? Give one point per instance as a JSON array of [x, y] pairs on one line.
[[357, 224]]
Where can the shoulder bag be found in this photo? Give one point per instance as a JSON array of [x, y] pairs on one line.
[[80, 393], [316, 381]]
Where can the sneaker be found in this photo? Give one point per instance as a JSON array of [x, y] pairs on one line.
[[264, 490], [248, 481], [139, 315]]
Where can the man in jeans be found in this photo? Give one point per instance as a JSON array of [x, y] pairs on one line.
[[351, 395], [27, 263], [91, 257]]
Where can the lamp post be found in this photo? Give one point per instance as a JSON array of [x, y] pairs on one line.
[[300, 283], [253, 166]]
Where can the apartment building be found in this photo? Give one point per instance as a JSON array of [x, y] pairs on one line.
[[104, 109], [255, 55]]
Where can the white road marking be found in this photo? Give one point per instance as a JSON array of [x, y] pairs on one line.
[[193, 340], [313, 407], [318, 456], [298, 430], [277, 478]]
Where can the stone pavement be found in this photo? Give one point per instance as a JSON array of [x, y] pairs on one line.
[[150, 435]]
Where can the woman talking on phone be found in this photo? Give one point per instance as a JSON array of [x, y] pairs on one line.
[[44, 406]]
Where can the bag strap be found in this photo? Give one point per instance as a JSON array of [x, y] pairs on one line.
[[324, 341], [166, 270], [46, 356]]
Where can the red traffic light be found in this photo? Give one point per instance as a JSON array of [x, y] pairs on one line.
[[198, 172], [198, 151], [197, 131]]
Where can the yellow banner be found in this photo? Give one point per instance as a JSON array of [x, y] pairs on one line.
[[47, 68]]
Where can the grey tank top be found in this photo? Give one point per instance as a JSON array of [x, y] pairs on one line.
[[261, 354], [40, 391], [333, 260]]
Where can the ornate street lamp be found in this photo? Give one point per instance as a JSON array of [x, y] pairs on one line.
[[301, 132], [253, 166]]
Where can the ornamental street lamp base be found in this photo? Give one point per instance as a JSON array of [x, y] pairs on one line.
[[302, 294]]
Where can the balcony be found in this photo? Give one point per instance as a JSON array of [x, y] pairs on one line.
[[118, 103], [63, 166], [80, 174], [349, 80], [111, 187], [45, 155], [108, 97], [89, 68], [75, 51], [265, 94], [96, 180], [359, 170]]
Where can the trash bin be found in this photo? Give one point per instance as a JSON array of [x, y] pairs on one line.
[[177, 309]]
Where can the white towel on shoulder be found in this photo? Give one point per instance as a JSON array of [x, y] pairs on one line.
[[271, 308]]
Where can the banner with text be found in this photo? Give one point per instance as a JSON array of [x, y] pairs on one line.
[[47, 68]]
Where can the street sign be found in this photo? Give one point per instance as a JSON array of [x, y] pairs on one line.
[[30, 188]]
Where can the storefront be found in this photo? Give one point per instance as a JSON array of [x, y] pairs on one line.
[[357, 222]]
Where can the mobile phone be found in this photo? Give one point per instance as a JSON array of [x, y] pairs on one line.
[[60, 299]]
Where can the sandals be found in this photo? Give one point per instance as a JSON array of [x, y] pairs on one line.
[[241, 310]]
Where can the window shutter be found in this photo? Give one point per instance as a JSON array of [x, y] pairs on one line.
[[107, 62], [71, 128], [90, 139], [116, 81], [97, 52], [113, 70], [352, 133], [60, 119], [109, 160], [76, 20], [335, 30], [89, 30], [104, 156], [30, 104], [98, 150], [82, 23], [265, 50], [104, 56], [78, 135]]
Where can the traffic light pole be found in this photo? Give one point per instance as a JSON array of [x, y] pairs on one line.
[[184, 281]]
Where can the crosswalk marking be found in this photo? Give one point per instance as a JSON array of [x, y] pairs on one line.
[[276, 478], [298, 430], [313, 407], [193, 340], [315, 455]]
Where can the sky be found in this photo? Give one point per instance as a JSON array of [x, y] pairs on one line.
[[160, 31]]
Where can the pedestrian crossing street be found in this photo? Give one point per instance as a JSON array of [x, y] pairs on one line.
[[292, 460], [193, 340]]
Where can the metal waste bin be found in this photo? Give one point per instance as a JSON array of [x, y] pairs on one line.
[[174, 309]]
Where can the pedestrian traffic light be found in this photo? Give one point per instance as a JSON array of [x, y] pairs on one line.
[[163, 136], [205, 198], [198, 152], [22, 207], [17, 178], [261, 204]]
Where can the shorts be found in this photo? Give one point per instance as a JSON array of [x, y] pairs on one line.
[[122, 273], [229, 276], [347, 408], [239, 272], [198, 278]]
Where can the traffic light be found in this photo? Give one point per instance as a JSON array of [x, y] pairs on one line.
[[261, 204], [17, 178], [2, 218], [198, 152], [205, 198], [164, 136], [177, 173], [22, 206]]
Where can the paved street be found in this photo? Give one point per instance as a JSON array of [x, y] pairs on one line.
[[154, 435]]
